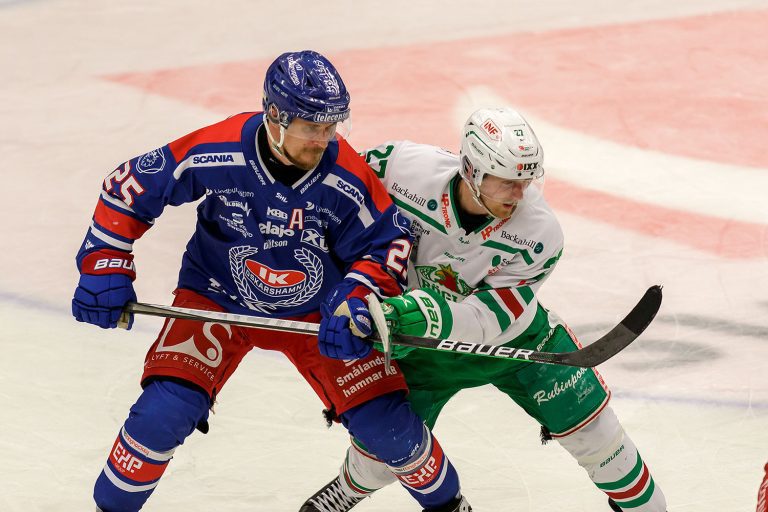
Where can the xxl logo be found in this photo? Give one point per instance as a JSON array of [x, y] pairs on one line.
[[275, 229], [266, 289], [207, 350], [314, 238], [275, 278]]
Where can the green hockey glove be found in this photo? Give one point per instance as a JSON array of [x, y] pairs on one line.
[[424, 313]]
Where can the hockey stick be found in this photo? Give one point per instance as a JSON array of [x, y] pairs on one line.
[[607, 346]]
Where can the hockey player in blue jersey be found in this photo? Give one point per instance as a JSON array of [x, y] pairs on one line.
[[292, 224]]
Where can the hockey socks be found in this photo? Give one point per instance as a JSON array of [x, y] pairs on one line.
[[613, 463], [163, 416], [428, 475], [386, 429]]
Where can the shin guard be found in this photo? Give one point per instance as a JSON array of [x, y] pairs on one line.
[[163, 416], [391, 432], [613, 463]]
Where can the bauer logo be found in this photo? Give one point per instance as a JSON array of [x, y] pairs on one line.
[[152, 162]]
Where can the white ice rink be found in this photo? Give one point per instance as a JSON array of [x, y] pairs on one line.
[[654, 118]]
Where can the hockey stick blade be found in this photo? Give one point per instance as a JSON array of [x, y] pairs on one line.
[[616, 340]]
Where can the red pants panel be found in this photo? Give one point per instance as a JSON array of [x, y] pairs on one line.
[[207, 353]]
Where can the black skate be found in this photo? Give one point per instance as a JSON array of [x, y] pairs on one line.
[[330, 498], [613, 505]]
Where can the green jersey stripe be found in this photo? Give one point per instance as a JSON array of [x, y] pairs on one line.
[[526, 293], [501, 316]]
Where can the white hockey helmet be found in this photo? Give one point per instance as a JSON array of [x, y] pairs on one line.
[[499, 141]]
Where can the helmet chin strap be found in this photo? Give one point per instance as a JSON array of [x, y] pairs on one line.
[[276, 145], [475, 193]]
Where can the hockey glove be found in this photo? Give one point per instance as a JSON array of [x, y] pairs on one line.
[[424, 313], [106, 285], [346, 321]]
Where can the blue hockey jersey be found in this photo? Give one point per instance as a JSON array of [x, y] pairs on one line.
[[259, 247]]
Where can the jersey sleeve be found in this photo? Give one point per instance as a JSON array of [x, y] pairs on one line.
[[375, 241], [504, 305], [137, 191]]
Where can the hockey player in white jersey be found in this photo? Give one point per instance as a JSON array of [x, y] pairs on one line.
[[485, 241]]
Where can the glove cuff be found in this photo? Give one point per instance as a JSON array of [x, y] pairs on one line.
[[108, 261], [436, 312]]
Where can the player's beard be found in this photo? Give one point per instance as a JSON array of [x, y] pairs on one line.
[[307, 159]]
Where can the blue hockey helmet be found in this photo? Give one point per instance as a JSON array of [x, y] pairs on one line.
[[306, 85]]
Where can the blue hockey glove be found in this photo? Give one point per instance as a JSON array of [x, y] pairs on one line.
[[106, 285], [346, 322]]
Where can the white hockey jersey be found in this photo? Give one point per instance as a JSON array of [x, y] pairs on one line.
[[490, 275]]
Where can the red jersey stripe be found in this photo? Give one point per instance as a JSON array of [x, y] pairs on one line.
[[386, 283], [354, 163], [228, 130], [119, 223], [510, 301]]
